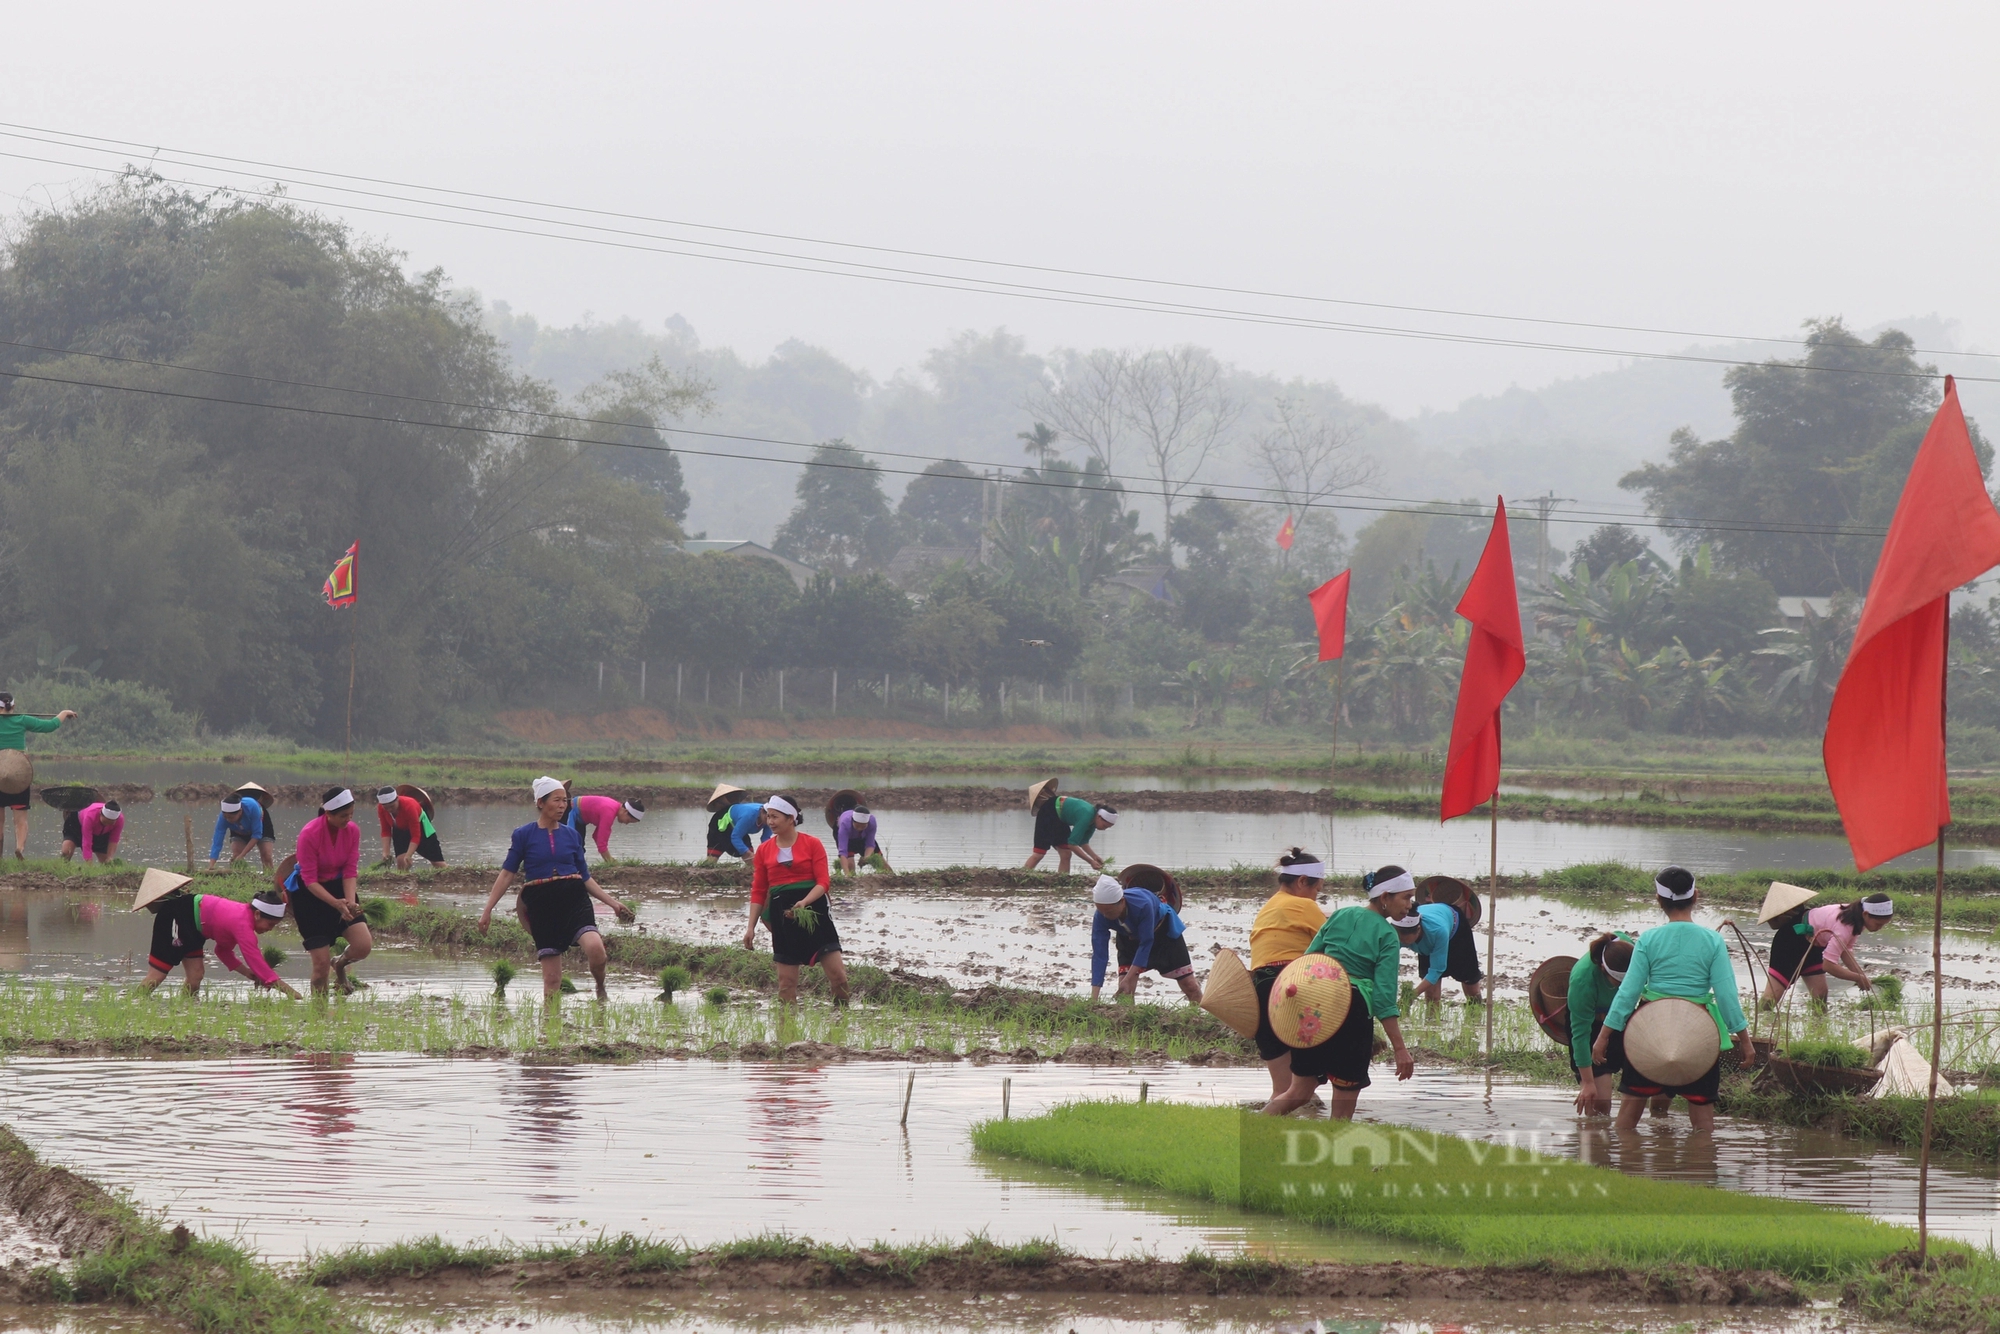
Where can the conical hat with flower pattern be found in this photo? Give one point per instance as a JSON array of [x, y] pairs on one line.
[[1309, 1000]]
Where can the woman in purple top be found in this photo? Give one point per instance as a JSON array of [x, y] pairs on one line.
[[854, 840], [323, 880], [554, 903]]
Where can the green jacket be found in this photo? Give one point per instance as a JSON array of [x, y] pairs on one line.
[[1362, 941], [14, 729]]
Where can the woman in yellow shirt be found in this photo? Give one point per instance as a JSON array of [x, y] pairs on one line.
[[1285, 925]]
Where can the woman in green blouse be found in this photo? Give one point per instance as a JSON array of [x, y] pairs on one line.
[[1364, 943]]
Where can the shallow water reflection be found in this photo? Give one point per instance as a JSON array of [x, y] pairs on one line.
[[378, 1149]]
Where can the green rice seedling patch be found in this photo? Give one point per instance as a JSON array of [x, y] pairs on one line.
[[1492, 1203]]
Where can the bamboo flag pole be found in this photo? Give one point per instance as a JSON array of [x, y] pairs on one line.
[[1937, 982], [1333, 764], [352, 631], [1492, 907]]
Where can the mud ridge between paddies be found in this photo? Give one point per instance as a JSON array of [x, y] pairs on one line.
[[1034, 1269]]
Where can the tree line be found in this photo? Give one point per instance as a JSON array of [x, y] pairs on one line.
[[166, 529]]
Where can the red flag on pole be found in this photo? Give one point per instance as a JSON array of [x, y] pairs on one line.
[[1884, 746], [1494, 660], [1329, 604], [339, 588], [1285, 537]]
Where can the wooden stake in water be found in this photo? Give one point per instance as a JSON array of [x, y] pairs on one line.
[[1142, 1090], [1492, 907], [908, 1088], [1006, 1097], [187, 822]]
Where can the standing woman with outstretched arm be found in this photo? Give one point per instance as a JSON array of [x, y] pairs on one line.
[[14, 729], [789, 879], [555, 900]]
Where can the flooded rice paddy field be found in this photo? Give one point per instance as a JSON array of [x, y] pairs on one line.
[[918, 840], [1034, 938], [377, 1149]]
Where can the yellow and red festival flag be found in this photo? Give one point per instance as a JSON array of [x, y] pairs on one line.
[[1285, 534], [339, 590]]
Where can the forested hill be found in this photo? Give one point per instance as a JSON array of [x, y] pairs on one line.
[[1575, 436]]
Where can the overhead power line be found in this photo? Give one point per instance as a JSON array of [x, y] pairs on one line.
[[824, 266], [1377, 505], [158, 153]]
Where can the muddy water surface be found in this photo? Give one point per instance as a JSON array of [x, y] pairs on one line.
[[329, 1152], [1019, 938], [1031, 1313]]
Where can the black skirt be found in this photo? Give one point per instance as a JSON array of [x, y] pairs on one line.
[[1701, 1090], [1788, 949], [559, 914], [1169, 957], [176, 937], [1614, 1053], [1461, 956], [319, 922], [1342, 1060], [1269, 1045], [792, 944]]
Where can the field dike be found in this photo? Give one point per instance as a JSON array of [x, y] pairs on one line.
[[116, 1255]]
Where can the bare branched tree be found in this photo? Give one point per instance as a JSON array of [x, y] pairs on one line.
[[1307, 458], [1083, 403], [1175, 406]]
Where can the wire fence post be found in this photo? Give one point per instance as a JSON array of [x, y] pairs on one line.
[[642, 682], [836, 692], [781, 692], [909, 1087]]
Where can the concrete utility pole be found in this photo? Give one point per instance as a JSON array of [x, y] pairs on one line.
[[1543, 505]]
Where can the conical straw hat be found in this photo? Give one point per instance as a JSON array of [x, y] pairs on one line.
[[1781, 898], [1548, 997], [1036, 792], [724, 794], [844, 800], [70, 796], [1446, 889], [16, 771], [418, 795], [1230, 995], [1309, 1001], [257, 790], [157, 885], [1671, 1041]]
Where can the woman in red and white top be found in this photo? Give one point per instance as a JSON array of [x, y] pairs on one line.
[[789, 877]]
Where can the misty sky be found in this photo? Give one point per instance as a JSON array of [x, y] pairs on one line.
[[1724, 168]]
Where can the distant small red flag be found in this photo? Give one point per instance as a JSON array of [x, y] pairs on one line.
[[1884, 746], [339, 588], [1495, 657], [1329, 604], [1286, 533]]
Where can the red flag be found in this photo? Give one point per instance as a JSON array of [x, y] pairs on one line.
[[339, 588], [1884, 747], [1329, 603], [1285, 535], [1494, 660]]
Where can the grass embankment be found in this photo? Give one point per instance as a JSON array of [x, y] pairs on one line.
[[1492, 1204], [121, 1255], [769, 1263]]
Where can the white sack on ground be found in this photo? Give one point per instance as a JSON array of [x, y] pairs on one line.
[[1906, 1074]]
